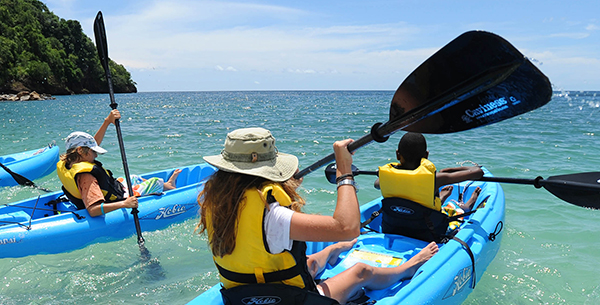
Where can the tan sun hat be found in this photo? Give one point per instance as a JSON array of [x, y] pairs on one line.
[[252, 151]]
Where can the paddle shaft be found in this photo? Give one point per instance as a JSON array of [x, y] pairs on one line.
[[581, 189], [102, 46], [540, 182]]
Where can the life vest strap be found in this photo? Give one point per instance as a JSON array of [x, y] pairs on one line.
[[251, 278]]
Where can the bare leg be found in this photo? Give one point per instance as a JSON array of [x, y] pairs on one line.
[[469, 204], [349, 282], [170, 184], [317, 262], [446, 192]]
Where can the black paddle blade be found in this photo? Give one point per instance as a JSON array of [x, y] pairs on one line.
[[330, 172], [479, 78], [581, 189], [100, 37], [475, 80], [18, 178]]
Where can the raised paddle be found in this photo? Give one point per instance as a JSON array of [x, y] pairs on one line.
[[475, 80], [22, 180], [582, 189], [101, 45]]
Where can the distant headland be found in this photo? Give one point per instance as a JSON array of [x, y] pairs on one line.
[[42, 53]]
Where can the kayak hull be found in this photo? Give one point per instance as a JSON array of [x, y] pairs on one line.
[[447, 278], [45, 229], [31, 164]]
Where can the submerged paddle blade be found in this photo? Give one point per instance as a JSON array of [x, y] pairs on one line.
[[581, 189], [477, 79], [21, 180]]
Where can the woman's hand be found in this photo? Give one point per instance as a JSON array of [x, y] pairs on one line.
[[343, 157]]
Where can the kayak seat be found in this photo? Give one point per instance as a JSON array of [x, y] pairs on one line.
[[7, 159], [14, 217], [195, 175], [408, 218], [273, 294], [182, 179]]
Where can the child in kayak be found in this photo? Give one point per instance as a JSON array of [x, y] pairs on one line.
[[250, 211], [89, 186], [415, 178], [412, 153]]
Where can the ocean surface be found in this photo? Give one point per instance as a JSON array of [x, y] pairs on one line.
[[549, 252]]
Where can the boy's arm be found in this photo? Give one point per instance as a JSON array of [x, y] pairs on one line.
[[457, 174]]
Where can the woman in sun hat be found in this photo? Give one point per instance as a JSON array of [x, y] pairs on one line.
[[250, 211], [90, 186]]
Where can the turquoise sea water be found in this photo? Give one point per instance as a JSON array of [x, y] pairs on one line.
[[549, 253]]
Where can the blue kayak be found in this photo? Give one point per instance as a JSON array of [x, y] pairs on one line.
[[447, 278], [31, 164], [48, 225]]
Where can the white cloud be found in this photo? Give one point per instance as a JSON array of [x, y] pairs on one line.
[[592, 27], [570, 35], [266, 42]]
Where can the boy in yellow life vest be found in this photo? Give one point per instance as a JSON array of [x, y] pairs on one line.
[[415, 179], [412, 153]]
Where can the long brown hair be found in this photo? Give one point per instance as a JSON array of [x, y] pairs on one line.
[[72, 156], [222, 197]]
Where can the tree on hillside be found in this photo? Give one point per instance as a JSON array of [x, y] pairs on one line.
[[41, 52]]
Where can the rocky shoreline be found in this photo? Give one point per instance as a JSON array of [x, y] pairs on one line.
[[26, 96]]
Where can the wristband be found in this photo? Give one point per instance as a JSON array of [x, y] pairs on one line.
[[102, 207], [348, 182], [342, 177]]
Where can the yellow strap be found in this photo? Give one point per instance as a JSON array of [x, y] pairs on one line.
[[277, 191], [258, 273]]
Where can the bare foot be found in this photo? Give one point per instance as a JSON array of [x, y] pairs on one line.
[[446, 192], [469, 204], [416, 261], [339, 248], [170, 184]]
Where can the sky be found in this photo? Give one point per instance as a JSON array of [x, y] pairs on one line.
[[185, 45]]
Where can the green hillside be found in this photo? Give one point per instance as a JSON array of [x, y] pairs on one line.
[[41, 52]]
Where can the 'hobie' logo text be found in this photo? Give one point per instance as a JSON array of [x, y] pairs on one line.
[[460, 281], [261, 300], [170, 211], [402, 210]]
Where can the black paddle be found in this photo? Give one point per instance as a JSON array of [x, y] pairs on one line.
[[582, 189], [475, 80], [22, 180], [101, 45]]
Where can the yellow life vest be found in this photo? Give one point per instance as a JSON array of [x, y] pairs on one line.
[[110, 187], [250, 261], [416, 185]]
